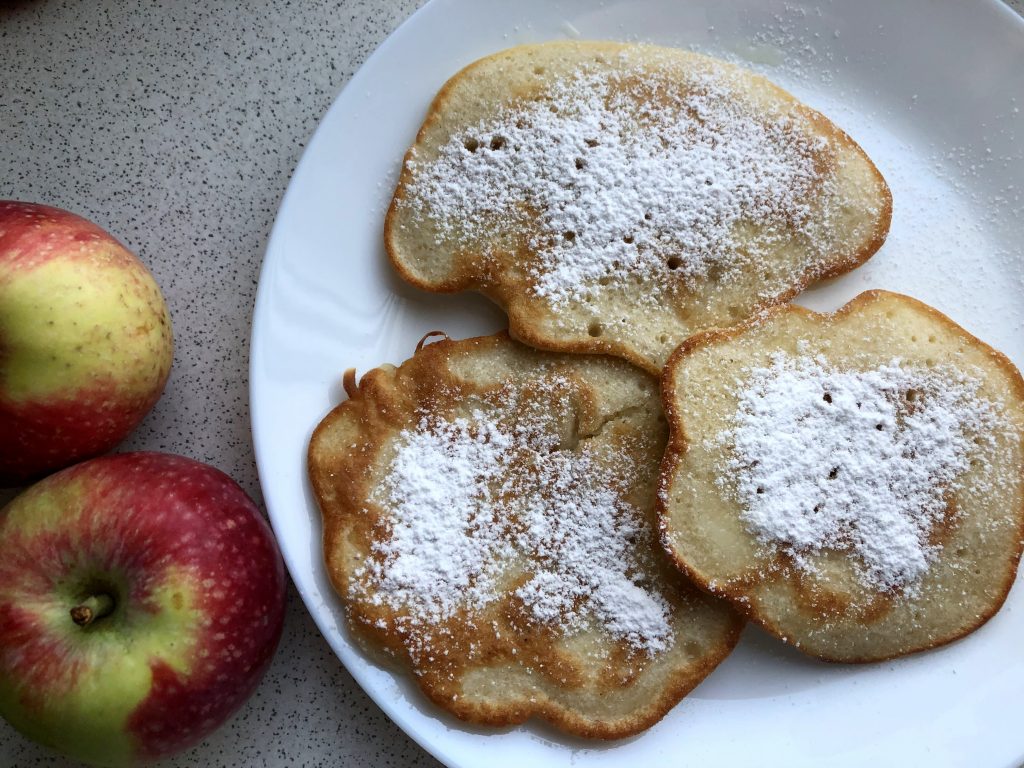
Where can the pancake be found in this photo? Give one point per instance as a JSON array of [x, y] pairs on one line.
[[619, 198], [488, 520], [850, 481]]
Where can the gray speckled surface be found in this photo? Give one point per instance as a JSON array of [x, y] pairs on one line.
[[176, 126]]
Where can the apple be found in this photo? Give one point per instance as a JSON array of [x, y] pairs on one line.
[[85, 341], [141, 601]]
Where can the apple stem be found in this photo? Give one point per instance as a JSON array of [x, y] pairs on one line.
[[92, 608]]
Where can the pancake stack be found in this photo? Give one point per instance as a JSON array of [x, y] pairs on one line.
[[533, 526]]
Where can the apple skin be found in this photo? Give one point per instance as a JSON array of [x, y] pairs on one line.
[[85, 341], [198, 588]]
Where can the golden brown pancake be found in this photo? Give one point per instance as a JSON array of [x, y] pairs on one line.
[[850, 481], [619, 198], [489, 523]]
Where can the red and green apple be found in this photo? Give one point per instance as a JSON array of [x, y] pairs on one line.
[[85, 341], [141, 601]]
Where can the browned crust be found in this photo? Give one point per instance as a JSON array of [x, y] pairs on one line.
[[564, 719], [517, 306], [337, 521], [658, 708], [678, 444]]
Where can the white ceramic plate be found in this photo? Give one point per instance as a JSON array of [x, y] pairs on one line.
[[932, 90]]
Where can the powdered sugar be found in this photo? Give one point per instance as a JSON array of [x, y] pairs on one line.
[[468, 503], [627, 173], [442, 539], [588, 539], [854, 460]]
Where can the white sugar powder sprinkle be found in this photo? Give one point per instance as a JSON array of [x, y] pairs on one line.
[[587, 537], [625, 178], [856, 461], [443, 534], [464, 498]]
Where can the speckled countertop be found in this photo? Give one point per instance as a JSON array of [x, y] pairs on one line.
[[176, 126]]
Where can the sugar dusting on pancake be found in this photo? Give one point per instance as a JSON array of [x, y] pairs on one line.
[[860, 461], [467, 498], [619, 175]]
